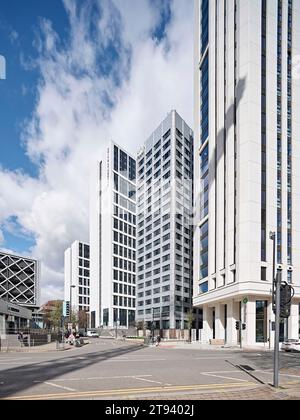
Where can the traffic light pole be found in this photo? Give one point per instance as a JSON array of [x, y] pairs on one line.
[[277, 330]]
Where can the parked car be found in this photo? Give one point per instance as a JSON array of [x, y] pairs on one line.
[[291, 345], [92, 334]]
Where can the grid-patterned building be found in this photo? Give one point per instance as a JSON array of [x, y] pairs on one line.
[[164, 225], [20, 280], [247, 172], [113, 239], [77, 276]]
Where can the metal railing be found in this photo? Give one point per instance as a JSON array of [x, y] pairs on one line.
[[10, 340]]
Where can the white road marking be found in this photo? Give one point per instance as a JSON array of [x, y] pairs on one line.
[[128, 360], [224, 377], [148, 380], [58, 386], [281, 374], [212, 358], [96, 378], [12, 363]]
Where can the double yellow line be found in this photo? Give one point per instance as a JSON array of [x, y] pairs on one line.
[[134, 392]]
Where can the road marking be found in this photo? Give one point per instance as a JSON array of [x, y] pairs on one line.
[[96, 378], [281, 374], [148, 380], [12, 363], [59, 386], [224, 377], [128, 360], [212, 358], [91, 394]]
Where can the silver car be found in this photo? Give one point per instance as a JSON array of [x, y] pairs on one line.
[[291, 345]]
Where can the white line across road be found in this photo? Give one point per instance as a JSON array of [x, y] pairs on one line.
[[216, 375], [281, 374], [96, 378], [134, 360], [212, 358], [148, 380], [59, 386], [11, 363]]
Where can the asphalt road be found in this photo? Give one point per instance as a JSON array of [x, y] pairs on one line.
[[113, 370]]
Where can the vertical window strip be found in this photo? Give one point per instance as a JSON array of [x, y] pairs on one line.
[[235, 131], [279, 134], [216, 130], [264, 135], [289, 135], [225, 131]]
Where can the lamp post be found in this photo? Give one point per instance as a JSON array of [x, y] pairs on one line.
[[71, 287]]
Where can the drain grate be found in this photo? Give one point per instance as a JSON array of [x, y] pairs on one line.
[[247, 368]]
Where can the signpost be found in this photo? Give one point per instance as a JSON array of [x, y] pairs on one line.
[[281, 302]]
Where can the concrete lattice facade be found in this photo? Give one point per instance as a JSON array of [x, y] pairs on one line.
[[247, 172], [19, 280]]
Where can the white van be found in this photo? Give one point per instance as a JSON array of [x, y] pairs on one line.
[[92, 334]]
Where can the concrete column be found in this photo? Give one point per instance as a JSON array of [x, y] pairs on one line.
[[219, 312], [231, 336], [2, 327], [207, 331], [294, 322], [249, 336]]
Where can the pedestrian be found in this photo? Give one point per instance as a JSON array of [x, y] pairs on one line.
[[158, 339], [20, 338]]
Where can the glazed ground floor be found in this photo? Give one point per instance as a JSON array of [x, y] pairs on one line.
[[220, 318]]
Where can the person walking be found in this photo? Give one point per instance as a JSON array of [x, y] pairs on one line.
[[158, 340]]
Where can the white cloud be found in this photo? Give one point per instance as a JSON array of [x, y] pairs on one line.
[[83, 101]]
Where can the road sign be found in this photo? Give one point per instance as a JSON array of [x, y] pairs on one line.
[[245, 301]]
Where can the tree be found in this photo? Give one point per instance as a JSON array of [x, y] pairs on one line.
[[82, 320], [56, 315], [47, 310]]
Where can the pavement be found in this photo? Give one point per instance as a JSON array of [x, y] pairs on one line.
[[110, 370]]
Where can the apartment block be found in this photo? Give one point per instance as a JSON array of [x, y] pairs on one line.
[[77, 276], [113, 239], [164, 225], [247, 172]]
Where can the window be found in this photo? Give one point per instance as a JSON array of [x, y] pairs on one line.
[[203, 288], [263, 273], [261, 321]]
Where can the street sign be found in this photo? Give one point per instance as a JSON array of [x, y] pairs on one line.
[[245, 301]]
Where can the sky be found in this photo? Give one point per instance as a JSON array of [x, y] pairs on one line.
[[78, 74]]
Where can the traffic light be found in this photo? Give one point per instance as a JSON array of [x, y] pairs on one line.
[[244, 326], [237, 325], [66, 310], [286, 294]]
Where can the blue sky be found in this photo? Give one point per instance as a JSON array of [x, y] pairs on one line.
[[19, 22], [80, 73]]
